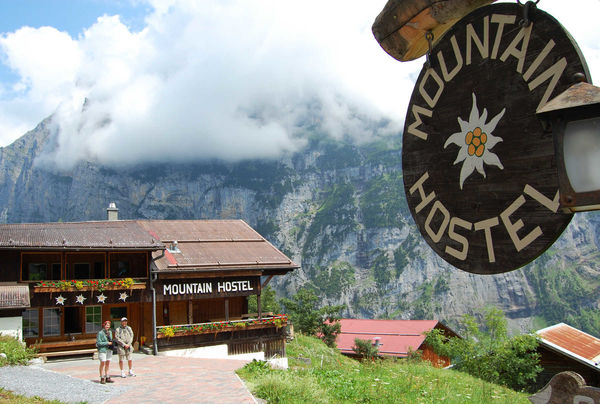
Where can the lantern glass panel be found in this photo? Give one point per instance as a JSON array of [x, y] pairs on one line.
[[582, 154]]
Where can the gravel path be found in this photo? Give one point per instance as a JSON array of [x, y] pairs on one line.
[[36, 381]]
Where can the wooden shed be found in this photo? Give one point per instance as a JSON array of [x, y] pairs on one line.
[[565, 348]]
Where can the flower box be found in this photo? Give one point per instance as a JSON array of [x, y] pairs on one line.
[[212, 328], [46, 289]]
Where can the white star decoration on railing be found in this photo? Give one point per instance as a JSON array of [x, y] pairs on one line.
[[123, 296], [80, 299], [101, 298], [60, 300]]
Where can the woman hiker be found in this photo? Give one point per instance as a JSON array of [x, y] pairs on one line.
[[104, 342]]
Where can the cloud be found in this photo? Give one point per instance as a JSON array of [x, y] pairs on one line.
[[227, 79], [46, 62]]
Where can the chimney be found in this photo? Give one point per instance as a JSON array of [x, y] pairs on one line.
[[112, 212]]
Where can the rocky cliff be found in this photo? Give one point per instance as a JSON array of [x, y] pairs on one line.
[[337, 209]]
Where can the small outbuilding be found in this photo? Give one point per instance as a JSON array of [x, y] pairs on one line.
[[393, 338], [564, 348]]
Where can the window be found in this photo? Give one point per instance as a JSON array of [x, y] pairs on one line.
[[85, 265], [73, 320], [99, 270], [55, 271], [128, 265], [31, 323], [81, 271], [93, 319], [38, 267], [51, 322], [122, 269], [37, 271], [116, 314]]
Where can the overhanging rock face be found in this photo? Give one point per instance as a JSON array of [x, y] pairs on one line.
[[401, 26]]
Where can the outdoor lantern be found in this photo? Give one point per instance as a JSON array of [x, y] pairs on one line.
[[574, 119]]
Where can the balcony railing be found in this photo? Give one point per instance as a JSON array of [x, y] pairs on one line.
[[89, 284], [179, 330]]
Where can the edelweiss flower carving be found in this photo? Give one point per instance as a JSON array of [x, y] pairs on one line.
[[475, 140]]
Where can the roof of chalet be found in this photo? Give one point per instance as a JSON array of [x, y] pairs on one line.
[[118, 234], [202, 245], [14, 296], [213, 244], [396, 337], [571, 342]]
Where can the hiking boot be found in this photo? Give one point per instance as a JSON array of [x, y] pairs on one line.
[[102, 380], [109, 380]]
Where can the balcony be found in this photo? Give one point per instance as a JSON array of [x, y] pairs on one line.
[[241, 336], [170, 331]]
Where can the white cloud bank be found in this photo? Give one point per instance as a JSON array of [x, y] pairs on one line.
[[227, 79]]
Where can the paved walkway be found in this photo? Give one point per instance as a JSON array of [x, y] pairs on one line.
[[163, 379]]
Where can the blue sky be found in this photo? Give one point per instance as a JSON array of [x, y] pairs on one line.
[[72, 16], [230, 79], [68, 15]]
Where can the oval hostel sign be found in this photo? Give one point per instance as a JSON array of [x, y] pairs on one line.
[[479, 171]]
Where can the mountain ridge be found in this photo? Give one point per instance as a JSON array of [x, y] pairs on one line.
[[336, 208]]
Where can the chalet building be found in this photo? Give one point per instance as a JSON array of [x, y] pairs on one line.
[[181, 283], [393, 338], [565, 348]]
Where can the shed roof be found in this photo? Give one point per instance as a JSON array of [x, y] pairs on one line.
[[214, 245], [14, 296], [120, 234], [573, 343], [396, 337]]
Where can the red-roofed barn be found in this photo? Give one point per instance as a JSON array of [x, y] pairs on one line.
[[396, 338]]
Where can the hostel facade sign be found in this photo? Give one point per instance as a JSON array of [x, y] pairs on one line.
[[479, 170], [171, 289]]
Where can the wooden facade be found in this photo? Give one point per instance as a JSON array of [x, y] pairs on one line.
[[81, 274], [563, 348], [553, 363]]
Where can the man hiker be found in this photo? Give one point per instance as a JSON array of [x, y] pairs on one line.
[[124, 339]]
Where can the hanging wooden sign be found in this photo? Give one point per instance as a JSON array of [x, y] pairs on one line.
[[479, 170]]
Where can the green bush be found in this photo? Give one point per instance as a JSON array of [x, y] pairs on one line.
[[16, 352], [365, 349], [488, 352], [259, 367], [268, 301], [311, 320]]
